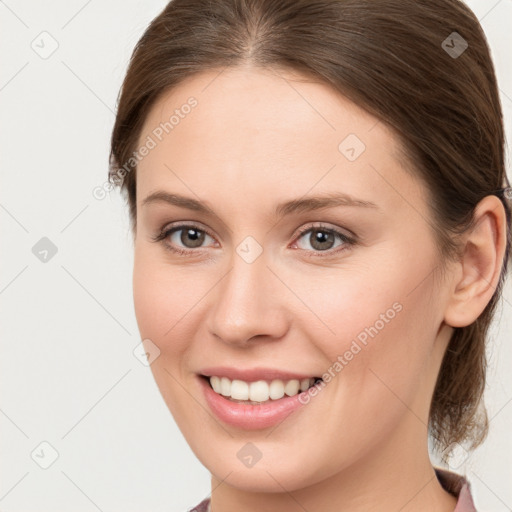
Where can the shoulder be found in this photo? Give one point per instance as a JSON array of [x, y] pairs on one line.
[[459, 486], [204, 506]]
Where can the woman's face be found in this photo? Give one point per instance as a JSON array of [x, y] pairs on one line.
[[265, 292]]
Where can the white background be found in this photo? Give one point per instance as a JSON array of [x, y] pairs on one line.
[[68, 330]]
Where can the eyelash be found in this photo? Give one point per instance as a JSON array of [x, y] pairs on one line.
[[347, 241]]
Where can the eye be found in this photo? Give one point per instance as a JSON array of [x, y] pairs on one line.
[[186, 239], [183, 238], [322, 239]]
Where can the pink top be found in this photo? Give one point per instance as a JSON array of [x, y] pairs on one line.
[[452, 482]]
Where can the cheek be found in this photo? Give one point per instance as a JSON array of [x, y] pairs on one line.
[[379, 325], [151, 296], [164, 300], [379, 365], [162, 295], [386, 293]]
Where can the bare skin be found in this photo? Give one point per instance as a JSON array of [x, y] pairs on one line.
[[255, 139]]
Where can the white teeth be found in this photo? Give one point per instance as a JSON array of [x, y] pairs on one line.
[[215, 382], [276, 389], [304, 384], [291, 388], [259, 391], [240, 390], [225, 386]]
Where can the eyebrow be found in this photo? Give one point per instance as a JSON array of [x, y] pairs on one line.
[[299, 205]]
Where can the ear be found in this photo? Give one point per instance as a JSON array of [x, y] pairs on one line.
[[479, 270]]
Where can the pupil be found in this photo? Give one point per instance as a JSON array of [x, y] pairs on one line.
[[192, 235], [322, 238]]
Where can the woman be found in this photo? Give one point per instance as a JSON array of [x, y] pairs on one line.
[[319, 207]]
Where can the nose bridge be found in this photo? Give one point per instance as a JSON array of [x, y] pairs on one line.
[[246, 304]]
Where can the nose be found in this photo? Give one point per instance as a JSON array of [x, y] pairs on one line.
[[249, 302]]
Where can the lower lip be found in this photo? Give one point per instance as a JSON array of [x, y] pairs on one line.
[[250, 417]]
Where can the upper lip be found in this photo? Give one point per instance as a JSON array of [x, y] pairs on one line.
[[253, 374]]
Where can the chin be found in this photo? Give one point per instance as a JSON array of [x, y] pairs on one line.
[[279, 471]]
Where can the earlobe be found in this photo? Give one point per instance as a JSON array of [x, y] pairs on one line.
[[480, 267]]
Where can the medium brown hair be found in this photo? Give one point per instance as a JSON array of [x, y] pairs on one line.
[[400, 61]]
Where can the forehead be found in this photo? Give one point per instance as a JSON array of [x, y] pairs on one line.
[[269, 104], [262, 132]]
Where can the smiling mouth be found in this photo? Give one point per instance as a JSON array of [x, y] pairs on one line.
[[261, 391]]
